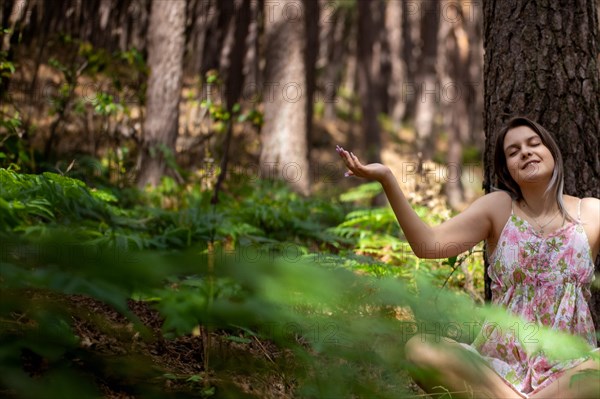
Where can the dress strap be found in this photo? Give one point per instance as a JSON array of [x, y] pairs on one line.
[[579, 211], [512, 207]]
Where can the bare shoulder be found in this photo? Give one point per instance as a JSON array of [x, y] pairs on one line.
[[499, 197], [590, 210], [494, 202]]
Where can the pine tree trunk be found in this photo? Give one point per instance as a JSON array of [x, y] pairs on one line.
[[393, 24], [428, 88], [541, 62], [336, 54], [311, 13], [369, 23], [454, 85], [473, 14], [234, 80], [284, 152], [411, 35], [165, 59]]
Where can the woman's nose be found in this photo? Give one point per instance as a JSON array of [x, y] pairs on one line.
[[526, 152]]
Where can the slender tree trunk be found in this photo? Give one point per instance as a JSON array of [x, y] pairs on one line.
[[410, 53], [541, 61], [216, 35], [252, 71], [368, 84], [428, 88], [454, 72], [393, 24], [165, 60], [311, 12], [284, 152], [337, 51], [16, 15], [233, 80], [473, 16]]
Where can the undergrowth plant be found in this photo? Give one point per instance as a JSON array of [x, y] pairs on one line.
[[321, 282]]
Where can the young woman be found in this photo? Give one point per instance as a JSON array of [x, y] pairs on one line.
[[541, 246]]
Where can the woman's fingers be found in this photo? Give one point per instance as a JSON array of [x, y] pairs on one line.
[[350, 160]]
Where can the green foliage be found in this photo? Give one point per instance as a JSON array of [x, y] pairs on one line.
[[220, 114], [266, 265]]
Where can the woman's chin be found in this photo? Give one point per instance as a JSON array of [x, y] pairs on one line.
[[533, 179]]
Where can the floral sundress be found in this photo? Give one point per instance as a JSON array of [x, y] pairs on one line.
[[544, 280]]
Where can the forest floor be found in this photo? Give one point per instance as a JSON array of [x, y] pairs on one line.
[[174, 366]]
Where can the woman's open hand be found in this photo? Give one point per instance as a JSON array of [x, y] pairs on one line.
[[374, 171]]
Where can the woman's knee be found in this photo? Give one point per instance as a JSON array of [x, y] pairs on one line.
[[419, 351], [428, 350]]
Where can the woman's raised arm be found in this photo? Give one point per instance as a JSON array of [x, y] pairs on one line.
[[448, 239]]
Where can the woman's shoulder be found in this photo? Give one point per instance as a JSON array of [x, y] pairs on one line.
[[587, 208], [588, 204], [497, 204], [590, 208], [498, 197]]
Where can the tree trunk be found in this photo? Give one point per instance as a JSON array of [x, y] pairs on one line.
[[337, 49], [284, 152], [252, 70], [369, 23], [454, 63], [165, 59], [410, 52], [541, 62], [17, 13], [393, 24], [234, 79], [311, 12], [473, 15], [428, 87]]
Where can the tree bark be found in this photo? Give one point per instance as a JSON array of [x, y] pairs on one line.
[[311, 12], [338, 33], [369, 86], [541, 62], [454, 60], [284, 152], [393, 24], [410, 52], [165, 60], [234, 80], [428, 88]]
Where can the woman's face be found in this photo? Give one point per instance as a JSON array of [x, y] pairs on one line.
[[527, 158]]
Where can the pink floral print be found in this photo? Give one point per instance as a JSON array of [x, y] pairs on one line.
[[545, 280]]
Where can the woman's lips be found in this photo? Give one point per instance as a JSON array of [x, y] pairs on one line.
[[529, 163]]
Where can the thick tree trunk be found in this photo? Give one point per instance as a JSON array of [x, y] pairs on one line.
[[165, 60], [284, 152], [541, 61]]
